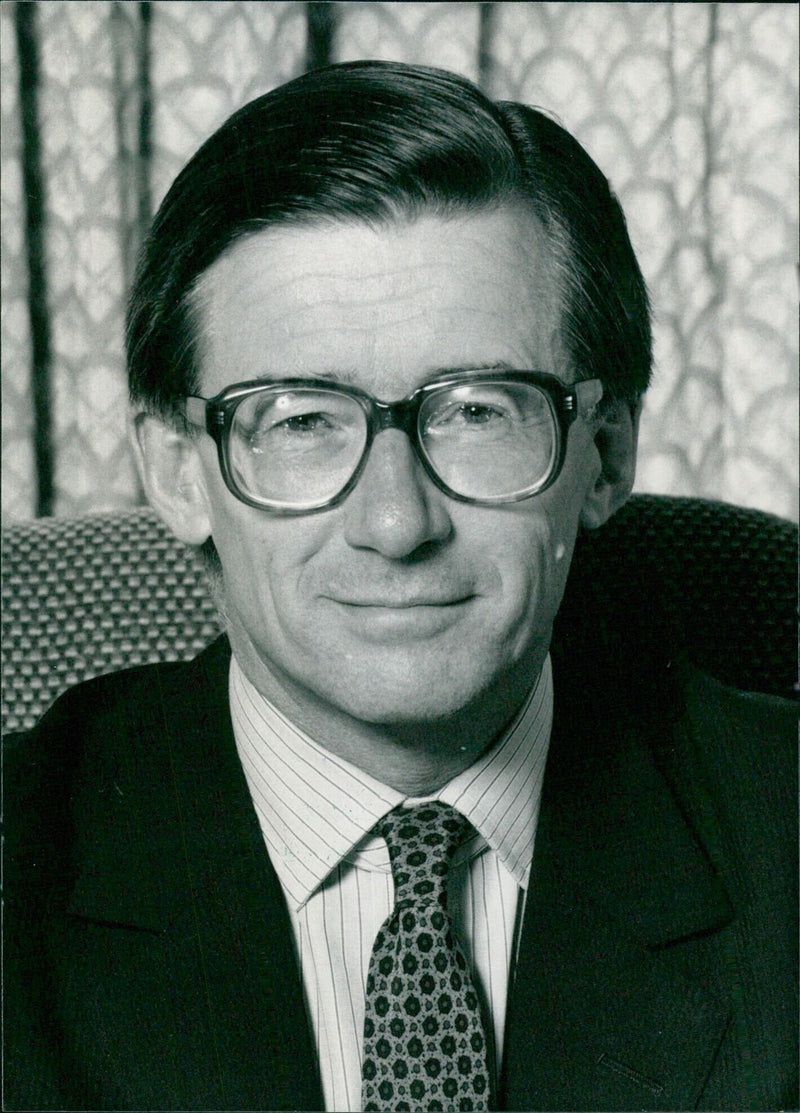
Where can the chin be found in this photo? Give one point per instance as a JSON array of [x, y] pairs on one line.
[[412, 713], [422, 695]]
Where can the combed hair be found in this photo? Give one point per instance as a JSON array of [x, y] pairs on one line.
[[378, 142]]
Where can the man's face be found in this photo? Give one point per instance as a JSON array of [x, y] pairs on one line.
[[401, 604]]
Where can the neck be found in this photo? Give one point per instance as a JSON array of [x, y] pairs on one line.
[[416, 758]]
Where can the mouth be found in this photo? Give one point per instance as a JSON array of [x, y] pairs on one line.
[[389, 618], [405, 603]]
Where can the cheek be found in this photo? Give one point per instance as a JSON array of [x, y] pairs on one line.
[[263, 560], [533, 565]]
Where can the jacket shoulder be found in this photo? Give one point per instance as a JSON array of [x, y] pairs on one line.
[[92, 735], [107, 702], [746, 740]]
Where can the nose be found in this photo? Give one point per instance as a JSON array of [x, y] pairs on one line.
[[394, 508]]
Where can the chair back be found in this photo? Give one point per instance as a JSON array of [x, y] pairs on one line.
[[91, 595]]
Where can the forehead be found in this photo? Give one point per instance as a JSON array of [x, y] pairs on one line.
[[385, 307]]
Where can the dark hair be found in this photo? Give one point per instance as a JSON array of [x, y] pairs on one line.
[[374, 142]]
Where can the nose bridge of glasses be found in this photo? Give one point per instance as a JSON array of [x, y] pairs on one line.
[[396, 415]]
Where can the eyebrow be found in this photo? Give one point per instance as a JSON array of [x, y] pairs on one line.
[[350, 377], [499, 365]]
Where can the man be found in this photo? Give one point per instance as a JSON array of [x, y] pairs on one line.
[[387, 347]]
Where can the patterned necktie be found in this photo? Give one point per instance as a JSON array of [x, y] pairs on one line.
[[424, 1042]]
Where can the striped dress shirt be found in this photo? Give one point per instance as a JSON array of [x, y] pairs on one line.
[[317, 812]]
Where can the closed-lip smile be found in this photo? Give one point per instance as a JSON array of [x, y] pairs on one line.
[[392, 618], [404, 603]]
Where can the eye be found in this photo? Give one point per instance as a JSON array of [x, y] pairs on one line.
[[296, 445], [268, 421], [475, 413], [489, 410], [308, 423], [306, 431]]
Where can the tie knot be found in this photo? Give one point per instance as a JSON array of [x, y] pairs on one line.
[[421, 842]]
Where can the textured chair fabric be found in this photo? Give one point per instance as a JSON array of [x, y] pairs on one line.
[[723, 577], [91, 595]]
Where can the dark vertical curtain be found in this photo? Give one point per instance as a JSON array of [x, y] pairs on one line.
[[33, 192]]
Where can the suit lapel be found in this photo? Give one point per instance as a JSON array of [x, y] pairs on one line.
[[614, 1003], [201, 876]]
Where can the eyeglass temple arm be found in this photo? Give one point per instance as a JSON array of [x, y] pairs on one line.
[[196, 413]]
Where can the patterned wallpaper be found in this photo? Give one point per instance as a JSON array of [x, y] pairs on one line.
[[690, 109]]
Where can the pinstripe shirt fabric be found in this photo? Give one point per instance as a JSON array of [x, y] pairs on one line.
[[317, 812]]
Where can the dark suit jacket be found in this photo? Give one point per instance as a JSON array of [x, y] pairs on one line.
[[148, 955]]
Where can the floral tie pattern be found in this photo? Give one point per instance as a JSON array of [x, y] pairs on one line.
[[424, 1042]]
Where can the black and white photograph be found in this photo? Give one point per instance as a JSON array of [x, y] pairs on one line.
[[399, 556]]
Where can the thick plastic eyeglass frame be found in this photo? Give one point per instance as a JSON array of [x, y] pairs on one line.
[[215, 416]]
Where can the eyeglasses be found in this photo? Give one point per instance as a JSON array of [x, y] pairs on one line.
[[483, 437]]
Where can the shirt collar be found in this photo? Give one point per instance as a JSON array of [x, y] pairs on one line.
[[315, 809]]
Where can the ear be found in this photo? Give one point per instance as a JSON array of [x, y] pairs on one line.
[[171, 471], [616, 438]]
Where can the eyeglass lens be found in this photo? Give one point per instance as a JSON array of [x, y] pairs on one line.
[[487, 440], [300, 447]]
